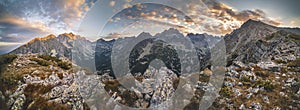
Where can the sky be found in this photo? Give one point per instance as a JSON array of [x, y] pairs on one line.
[[23, 20]]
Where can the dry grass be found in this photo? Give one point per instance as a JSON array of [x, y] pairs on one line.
[[35, 100]]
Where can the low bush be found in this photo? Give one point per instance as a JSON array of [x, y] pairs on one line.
[[6, 59], [41, 62], [225, 91], [48, 58], [262, 74], [64, 65], [268, 86], [295, 63]]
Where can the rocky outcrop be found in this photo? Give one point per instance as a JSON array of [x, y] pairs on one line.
[[59, 46]]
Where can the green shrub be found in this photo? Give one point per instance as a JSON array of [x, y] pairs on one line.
[[6, 59], [295, 63], [225, 91], [269, 86], [270, 37], [262, 74], [64, 65], [48, 58], [279, 61], [41, 62]]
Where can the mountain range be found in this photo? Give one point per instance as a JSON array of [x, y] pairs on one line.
[[262, 70], [252, 42]]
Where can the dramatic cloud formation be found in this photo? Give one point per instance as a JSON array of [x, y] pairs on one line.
[[219, 19], [30, 18], [22, 20], [201, 16]]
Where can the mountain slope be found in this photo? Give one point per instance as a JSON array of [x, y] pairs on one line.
[[281, 45], [149, 49], [250, 30], [255, 41], [59, 46]]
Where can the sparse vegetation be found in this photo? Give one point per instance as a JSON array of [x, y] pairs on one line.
[[226, 92], [246, 81], [270, 37], [6, 59], [49, 58], [278, 61], [269, 86], [111, 85], [41, 62], [34, 98], [262, 74], [295, 63], [64, 65]]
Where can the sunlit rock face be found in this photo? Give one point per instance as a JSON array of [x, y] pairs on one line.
[[60, 45]]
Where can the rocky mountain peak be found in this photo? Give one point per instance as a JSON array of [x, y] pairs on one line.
[[69, 36], [250, 30], [50, 36], [144, 34], [252, 22], [169, 32]]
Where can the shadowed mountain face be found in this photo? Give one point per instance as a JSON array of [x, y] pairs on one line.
[[150, 49]]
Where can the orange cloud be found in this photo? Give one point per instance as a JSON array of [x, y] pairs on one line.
[[74, 10], [112, 3], [37, 25], [225, 18]]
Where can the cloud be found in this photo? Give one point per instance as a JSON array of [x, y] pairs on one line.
[[115, 35], [127, 5], [295, 22], [34, 25], [219, 19], [31, 18], [74, 10], [10, 43], [18, 30], [112, 3], [204, 16]]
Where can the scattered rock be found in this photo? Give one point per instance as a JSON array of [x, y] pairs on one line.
[[266, 99], [18, 104], [240, 84], [256, 106], [242, 107], [239, 64]]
